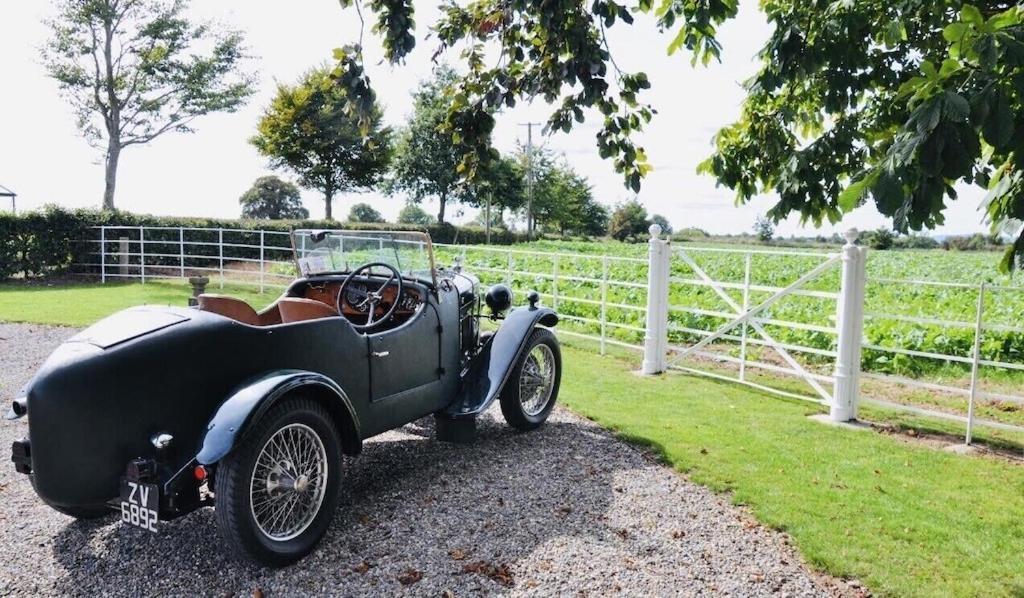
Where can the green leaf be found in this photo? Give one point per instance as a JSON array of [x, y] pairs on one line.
[[954, 32], [998, 127], [851, 196], [972, 15]]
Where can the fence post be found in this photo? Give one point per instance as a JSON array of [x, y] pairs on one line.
[[975, 359], [746, 306], [123, 258], [103, 254], [142, 255], [220, 252], [554, 283], [656, 329], [262, 267], [181, 250], [508, 276], [604, 301], [850, 325]]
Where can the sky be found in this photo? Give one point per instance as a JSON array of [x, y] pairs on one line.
[[44, 158]]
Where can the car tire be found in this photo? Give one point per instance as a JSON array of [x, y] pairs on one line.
[[530, 411], [258, 473]]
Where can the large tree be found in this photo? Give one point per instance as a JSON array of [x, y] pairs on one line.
[[896, 100], [563, 200], [426, 160], [273, 199], [308, 130], [136, 69]]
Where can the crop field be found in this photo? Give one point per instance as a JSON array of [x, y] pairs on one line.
[[894, 293]]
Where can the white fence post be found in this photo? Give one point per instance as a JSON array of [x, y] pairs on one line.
[[746, 307], [123, 259], [103, 254], [850, 325], [263, 244], [975, 362], [142, 255], [181, 251], [656, 333], [604, 301], [220, 253]]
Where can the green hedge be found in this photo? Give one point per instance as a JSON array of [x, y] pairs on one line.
[[51, 240]]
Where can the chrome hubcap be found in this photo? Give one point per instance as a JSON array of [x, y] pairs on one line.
[[288, 482], [537, 380]]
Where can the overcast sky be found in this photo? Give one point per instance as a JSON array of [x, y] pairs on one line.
[[44, 158]]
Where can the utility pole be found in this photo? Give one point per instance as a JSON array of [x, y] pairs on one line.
[[529, 178], [490, 195]]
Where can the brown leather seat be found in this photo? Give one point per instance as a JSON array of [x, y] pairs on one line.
[[297, 309], [236, 309]]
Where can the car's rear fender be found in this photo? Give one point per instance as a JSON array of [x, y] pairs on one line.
[[252, 399], [493, 365]]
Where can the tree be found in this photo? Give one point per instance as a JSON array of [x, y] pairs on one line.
[[308, 131], [273, 199], [889, 100], [629, 222], [881, 239], [426, 160], [504, 183], [564, 201], [133, 70], [413, 214], [892, 101], [364, 212], [764, 228], [666, 226]]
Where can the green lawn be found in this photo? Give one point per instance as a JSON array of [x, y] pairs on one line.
[[83, 304], [903, 518]]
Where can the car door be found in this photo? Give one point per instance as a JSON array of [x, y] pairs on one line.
[[405, 369]]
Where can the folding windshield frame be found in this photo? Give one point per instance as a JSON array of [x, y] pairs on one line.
[[385, 236]]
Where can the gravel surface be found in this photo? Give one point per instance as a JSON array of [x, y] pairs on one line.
[[566, 510]]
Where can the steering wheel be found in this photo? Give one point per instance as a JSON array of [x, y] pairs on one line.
[[371, 299]]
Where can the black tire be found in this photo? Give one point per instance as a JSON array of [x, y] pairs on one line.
[[511, 407], [85, 513], [234, 513]]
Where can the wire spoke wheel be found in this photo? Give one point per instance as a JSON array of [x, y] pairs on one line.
[[537, 379], [288, 482]]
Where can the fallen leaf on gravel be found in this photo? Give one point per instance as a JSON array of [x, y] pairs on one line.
[[257, 593], [563, 511], [544, 565], [678, 534], [497, 573], [362, 567], [409, 577], [457, 554], [364, 519], [447, 594], [623, 533]]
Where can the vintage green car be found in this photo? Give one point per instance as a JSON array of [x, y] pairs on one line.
[[156, 411]]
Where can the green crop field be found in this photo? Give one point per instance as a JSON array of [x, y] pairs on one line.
[[578, 292]]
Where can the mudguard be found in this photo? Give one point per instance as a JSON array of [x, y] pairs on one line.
[[491, 367], [251, 400]]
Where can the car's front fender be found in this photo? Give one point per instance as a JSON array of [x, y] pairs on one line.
[[252, 399], [493, 365]]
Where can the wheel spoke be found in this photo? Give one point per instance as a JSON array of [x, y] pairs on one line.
[[288, 482]]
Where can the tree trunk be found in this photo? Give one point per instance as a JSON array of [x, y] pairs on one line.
[[441, 199], [328, 198], [110, 163]]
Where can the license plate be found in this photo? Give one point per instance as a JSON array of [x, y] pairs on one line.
[[140, 504]]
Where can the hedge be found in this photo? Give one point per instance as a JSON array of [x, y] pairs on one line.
[[49, 241]]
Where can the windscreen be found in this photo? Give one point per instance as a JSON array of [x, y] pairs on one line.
[[339, 251]]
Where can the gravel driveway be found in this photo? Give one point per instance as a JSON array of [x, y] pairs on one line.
[[565, 510]]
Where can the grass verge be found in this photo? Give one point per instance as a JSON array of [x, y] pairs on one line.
[[904, 519]]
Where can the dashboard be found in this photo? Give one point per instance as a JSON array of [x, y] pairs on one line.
[[327, 292]]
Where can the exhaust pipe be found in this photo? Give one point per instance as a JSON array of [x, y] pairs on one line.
[[19, 408]]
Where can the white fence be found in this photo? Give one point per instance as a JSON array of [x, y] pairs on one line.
[[729, 314]]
